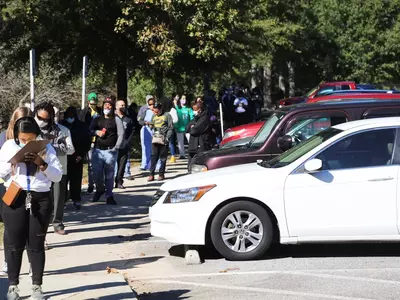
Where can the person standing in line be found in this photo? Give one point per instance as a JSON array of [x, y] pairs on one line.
[[169, 106], [109, 132], [123, 151], [163, 128], [200, 132], [28, 218], [145, 116], [185, 115], [6, 135], [81, 139], [133, 115], [90, 112], [61, 140]]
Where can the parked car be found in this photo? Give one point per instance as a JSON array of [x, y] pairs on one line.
[[356, 94], [340, 185], [244, 132], [290, 125], [319, 90]]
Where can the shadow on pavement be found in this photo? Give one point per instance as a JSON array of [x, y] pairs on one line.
[[111, 240], [170, 295], [119, 265], [109, 227], [84, 288]]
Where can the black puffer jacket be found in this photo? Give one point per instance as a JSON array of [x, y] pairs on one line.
[[81, 138], [200, 133]]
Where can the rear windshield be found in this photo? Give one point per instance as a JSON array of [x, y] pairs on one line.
[[266, 130]]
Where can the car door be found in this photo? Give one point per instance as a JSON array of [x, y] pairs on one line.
[[354, 194]]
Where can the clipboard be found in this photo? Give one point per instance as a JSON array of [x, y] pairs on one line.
[[31, 147]]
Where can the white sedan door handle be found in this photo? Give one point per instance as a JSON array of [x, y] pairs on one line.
[[381, 179]]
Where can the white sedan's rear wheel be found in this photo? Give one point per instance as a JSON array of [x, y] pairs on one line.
[[241, 230]]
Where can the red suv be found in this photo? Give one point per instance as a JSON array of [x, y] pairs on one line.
[[319, 90]]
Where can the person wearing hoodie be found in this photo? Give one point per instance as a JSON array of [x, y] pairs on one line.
[[90, 112], [145, 115], [163, 128], [81, 139], [185, 115], [109, 132], [200, 132]]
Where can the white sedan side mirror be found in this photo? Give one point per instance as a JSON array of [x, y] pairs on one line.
[[313, 165]]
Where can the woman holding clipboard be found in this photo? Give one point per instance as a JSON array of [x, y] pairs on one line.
[[27, 203]]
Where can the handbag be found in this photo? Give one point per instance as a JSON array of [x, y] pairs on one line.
[[12, 193], [158, 138]]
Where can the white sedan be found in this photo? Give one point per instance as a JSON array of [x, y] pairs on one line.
[[340, 185]]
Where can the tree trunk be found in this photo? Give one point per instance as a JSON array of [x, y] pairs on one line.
[[122, 82], [291, 79], [159, 85], [206, 83], [254, 73], [267, 84], [281, 83]]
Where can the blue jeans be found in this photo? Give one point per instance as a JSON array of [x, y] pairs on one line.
[[103, 162], [172, 144], [145, 139], [128, 166]]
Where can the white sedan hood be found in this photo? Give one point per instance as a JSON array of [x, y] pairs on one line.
[[241, 174]]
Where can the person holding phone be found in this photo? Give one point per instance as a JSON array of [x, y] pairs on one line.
[[28, 217]]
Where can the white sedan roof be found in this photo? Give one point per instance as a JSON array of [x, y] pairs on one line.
[[369, 123]]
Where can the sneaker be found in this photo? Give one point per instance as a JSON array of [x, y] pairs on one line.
[[97, 196], [130, 178], [151, 178], [182, 157], [60, 231], [161, 178], [119, 186], [4, 271], [13, 293], [89, 190], [77, 205], [111, 201], [172, 160], [37, 293]]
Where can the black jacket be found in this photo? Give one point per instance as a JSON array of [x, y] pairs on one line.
[[81, 138], [200, 133], [86, 117]]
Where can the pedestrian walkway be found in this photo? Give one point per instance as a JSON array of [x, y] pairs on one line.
[[91, 262]]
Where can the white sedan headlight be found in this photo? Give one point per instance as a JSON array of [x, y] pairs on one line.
[[198, 168], [188, 195], [229, 134]]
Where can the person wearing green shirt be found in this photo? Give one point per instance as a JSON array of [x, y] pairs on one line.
[[185, 115]]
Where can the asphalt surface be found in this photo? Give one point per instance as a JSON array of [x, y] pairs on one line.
[[328, 271]]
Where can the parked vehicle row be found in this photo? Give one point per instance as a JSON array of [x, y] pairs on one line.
[[334, 185]]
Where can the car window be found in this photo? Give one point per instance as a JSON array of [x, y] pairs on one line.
[[266, 130], [367, 149], [325, 90], [345, 87], [303, 129], [301, 149], [382, 112]]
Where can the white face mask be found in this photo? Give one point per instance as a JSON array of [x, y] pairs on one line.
[[42, 124], [106, 112], [195, 112], [70, 120]]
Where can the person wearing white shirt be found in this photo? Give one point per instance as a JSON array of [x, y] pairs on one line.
[[28, 217], [61, 140]]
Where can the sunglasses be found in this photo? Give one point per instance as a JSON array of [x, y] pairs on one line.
[[42, 119]]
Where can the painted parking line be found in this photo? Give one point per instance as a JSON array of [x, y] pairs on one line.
[[258, 290], [299, 272]]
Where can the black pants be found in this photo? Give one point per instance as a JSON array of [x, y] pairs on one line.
[[74, 178], [27, 230], [5, 235], [158, 152], [121, 163]]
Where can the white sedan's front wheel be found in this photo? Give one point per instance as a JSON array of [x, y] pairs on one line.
[[241, 230]]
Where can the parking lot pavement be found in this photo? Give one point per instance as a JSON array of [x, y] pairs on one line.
[[343, 272]]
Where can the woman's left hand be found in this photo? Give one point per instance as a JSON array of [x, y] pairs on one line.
[[34, 158]]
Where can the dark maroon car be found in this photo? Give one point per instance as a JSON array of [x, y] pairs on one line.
[[291, 125]]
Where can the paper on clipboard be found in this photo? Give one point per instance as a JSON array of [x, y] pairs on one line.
[[31, 147]]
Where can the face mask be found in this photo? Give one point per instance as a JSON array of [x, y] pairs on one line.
[[183, 101], [42, 124], [21, 145], [195, 112], [106, 112], [122, 109], [70, 120]]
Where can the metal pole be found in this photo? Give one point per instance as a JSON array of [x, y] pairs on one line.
[[32, 77], [84, 74], [221, 115]]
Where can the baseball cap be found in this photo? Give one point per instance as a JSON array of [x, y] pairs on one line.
[[149, 97], [92, 97]]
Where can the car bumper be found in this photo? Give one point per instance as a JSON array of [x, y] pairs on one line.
[[181, 223]]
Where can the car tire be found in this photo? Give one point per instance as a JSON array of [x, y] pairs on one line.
[[238, 241]]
